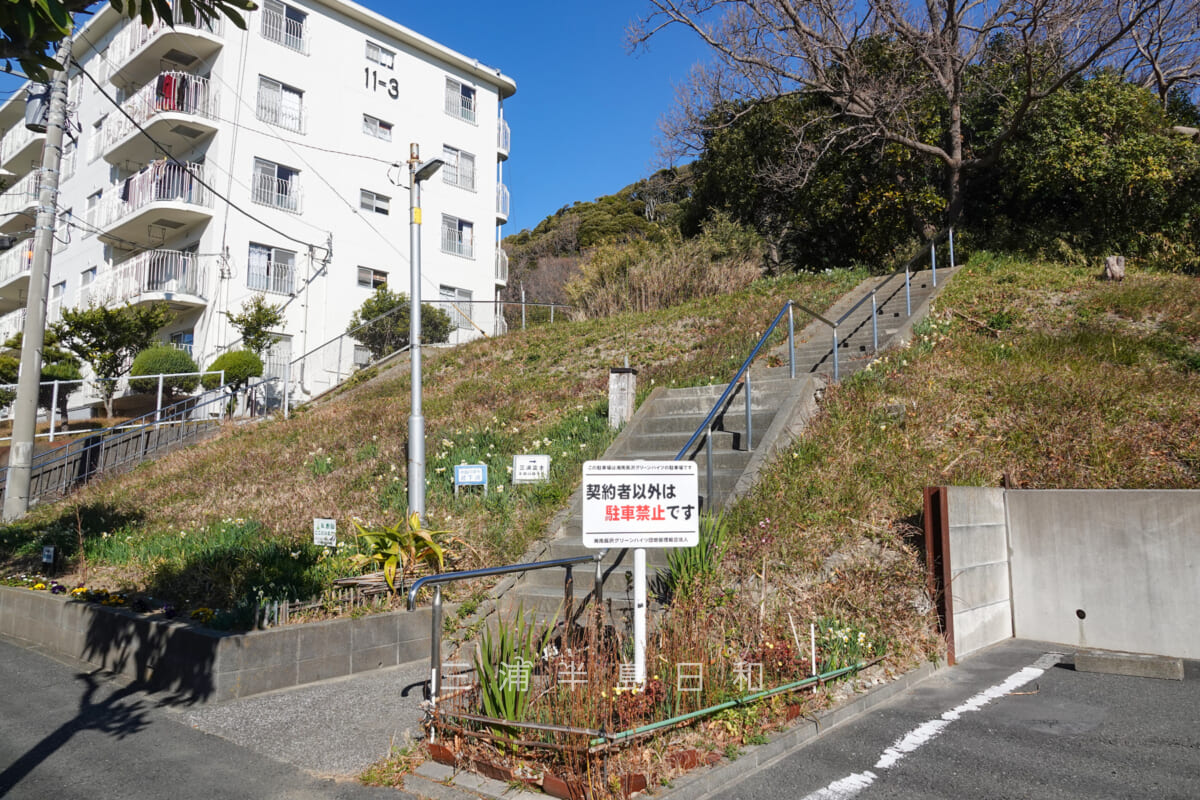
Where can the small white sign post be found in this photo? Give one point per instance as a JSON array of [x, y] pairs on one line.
[[640, 504], [530, 469], [324, 532], [471, 475]]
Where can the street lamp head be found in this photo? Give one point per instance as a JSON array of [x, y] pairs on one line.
[[426, 170]]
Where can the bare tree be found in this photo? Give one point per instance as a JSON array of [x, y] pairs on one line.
[[883, 67], [1163, 51]]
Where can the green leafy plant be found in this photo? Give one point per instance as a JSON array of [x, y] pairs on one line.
[[167, 361], [400, 547], [504, 665], [688, 567]]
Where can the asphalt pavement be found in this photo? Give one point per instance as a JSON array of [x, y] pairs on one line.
[[1013, 721], [67, 730]]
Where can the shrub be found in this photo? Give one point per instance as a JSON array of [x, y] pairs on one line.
[[239, 367], [646, 276], [164, 360], [381, 323]]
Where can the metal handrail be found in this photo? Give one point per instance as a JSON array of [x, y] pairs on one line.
[[435, 636], [705, 428], [729, 389]]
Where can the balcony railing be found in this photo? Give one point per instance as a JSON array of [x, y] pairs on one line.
[[152, 272], [503, 137], [15, 140], [272, 109], [501, 266], [453, 241], [16, 262], [22, 195], [273, 276], [11, 324], [460, 105], [135, 34], [171, 92], [281, 193], [291, 33], [503, 201], [161, 182]]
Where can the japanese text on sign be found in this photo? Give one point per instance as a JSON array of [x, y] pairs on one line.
[[531, 469]]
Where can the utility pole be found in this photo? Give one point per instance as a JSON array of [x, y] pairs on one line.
[[20, 457], [418, 172]]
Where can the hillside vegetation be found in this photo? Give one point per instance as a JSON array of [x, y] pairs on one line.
[[1027, 369]]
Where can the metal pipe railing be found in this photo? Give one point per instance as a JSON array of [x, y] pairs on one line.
[[436, 581]]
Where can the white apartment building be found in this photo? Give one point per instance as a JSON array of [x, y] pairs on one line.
[[295, 133]]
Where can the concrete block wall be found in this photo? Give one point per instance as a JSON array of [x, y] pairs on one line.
[[979, 570], [1115, 570], [1107, 569], [199, 665]]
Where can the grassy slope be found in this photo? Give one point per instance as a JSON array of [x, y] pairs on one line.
[[1034, 370], [542, 390]]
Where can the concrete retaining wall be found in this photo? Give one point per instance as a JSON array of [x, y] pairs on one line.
[[980, 588], [198, 665], [1116, 570], [1108, 569]]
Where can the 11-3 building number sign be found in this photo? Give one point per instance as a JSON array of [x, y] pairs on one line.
[[391, 85]]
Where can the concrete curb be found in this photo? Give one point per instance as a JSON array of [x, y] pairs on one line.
[[706, 782], [438, 782]]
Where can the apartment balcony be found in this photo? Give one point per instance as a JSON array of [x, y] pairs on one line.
[[15, 266], [21, 149], [501, 267], [281, 193], [503, 203], [11, 324], [18, 204], [175, 108], [162, 200], [286, 26], [169, 276], [503, 139], [139, 50]]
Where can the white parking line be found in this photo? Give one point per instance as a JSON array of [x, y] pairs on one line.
[[849, 786]]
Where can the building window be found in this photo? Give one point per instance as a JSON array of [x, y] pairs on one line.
[[67, 168], [270, 269], [275, 363], [94, 141], [369, 201], [371, 278], [280, 104], [460, 100], [285, 25], [377, 128], [381, 55], [458, 236], [460, 168], [182, 340], [457, 303], [276, 185], [86, 279], [62, 231], [93, 211]]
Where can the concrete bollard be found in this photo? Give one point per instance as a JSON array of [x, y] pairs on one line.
[[622, 391]]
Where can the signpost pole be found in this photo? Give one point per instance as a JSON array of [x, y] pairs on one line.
[[639, 614]]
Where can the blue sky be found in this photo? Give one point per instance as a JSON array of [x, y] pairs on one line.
[[585, 116]]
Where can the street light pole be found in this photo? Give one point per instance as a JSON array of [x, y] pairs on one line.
[[20, 458], [417, 172]]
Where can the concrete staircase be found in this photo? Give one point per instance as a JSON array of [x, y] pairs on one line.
[[779, 409]]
